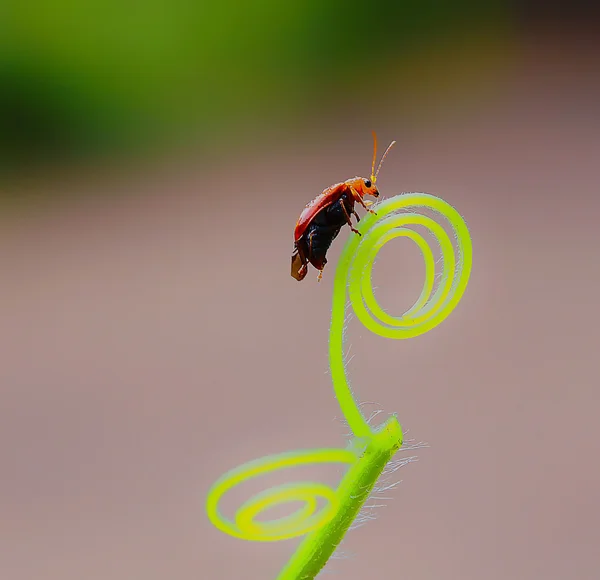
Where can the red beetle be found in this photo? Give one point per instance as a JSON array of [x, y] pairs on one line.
[[322, 219]]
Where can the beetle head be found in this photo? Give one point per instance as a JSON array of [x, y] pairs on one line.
[[363, 186]]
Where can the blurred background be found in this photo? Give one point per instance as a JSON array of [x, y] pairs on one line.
[[154, 158]]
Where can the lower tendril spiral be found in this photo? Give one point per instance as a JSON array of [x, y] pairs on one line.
[[371, 448], [298, 523]]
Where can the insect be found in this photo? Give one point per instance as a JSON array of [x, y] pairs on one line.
[[322, 219]]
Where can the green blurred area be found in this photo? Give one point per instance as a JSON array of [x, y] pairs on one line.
[[84, 78]]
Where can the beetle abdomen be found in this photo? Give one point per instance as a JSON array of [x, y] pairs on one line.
[[318, 241], [312, 245]]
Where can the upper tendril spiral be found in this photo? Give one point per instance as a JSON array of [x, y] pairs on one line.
[[354, 272]]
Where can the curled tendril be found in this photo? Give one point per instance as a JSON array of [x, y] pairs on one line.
[[300, 522], [354, 271], [371, 448]]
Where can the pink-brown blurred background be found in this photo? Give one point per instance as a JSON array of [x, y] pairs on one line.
[[154, 163]]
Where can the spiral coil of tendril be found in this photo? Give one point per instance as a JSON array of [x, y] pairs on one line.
[[394, 218]]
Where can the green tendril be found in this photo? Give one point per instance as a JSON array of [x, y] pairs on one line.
[[371, 448]]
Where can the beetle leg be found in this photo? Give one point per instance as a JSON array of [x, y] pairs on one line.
[[365, 206], [360, 200], [310, 240], [299, 263], [349, 220], [320, 275], [356, 215], [300, 251]]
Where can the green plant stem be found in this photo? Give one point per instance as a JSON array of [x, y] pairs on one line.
[[354, 489]]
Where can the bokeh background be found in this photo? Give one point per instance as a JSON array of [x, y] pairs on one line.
[[154, 159]]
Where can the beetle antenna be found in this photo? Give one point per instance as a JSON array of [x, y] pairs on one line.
[[381, 162], [374, 156]]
